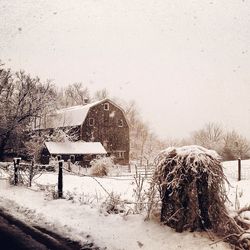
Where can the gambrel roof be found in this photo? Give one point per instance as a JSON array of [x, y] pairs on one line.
[[70, 117]]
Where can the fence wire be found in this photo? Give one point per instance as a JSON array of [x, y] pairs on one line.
[[231, 171]]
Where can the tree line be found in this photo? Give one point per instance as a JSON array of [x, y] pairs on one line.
[[24, 98], [229, 144]]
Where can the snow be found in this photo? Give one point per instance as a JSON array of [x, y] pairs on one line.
[[112, 231], [238, 191], [231, 169], [81, 213], [190, 150], [90, 187], [112, 114], [75, 148], [72, 116]]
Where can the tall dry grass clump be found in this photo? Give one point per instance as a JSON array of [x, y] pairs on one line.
[[191, 184]]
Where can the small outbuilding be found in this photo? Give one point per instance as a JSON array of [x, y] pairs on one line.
[[82, 152]]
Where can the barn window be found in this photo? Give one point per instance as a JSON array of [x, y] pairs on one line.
[[91, 121], [120, 154], [120, 123], [106, 106]]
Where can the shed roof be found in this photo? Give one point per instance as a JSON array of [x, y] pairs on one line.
[[75, 148]]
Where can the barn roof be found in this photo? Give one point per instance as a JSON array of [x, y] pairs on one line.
[[75, 148], [68, 117]]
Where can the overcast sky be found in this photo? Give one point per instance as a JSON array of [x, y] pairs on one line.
[[185, 63]]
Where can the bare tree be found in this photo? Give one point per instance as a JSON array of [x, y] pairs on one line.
[[35, 144], [235, 146], [101, 94], [211, 136], [76, 94], [144, 144], [230, 145], [132, 114], [22, 99]]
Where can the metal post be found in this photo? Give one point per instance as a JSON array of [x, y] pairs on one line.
[[239, 169], [60, 180]]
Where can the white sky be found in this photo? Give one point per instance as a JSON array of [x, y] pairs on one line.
[[185, 63]]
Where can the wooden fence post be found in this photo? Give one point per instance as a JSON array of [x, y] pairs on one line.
[[31, 173], [16, 167], [60, 180], [69, 165], [239, 169]]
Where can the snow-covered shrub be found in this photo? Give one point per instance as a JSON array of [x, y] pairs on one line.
[[191, 185], [113, 204], [71, 196], [50, 191], [101, 166]]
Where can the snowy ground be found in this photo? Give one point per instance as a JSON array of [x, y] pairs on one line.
[[238, 191], [81, 215]]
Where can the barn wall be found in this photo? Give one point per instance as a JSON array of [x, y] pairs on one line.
[[106, 130]]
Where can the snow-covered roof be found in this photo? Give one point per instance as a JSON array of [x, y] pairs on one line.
[[67, 117], [75, 148]]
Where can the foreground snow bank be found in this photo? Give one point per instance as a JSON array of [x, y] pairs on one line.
[[113, 231]]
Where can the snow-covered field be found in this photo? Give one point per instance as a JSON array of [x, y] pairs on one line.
[[81, 213], [238, 191]]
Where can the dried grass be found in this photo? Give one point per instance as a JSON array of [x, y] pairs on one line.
[[191, 182]]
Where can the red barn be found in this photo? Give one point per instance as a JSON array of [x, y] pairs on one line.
[[102, 121]]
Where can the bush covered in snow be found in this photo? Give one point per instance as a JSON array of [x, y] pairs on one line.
[[191, 183], [113, 204], [101, 166]]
